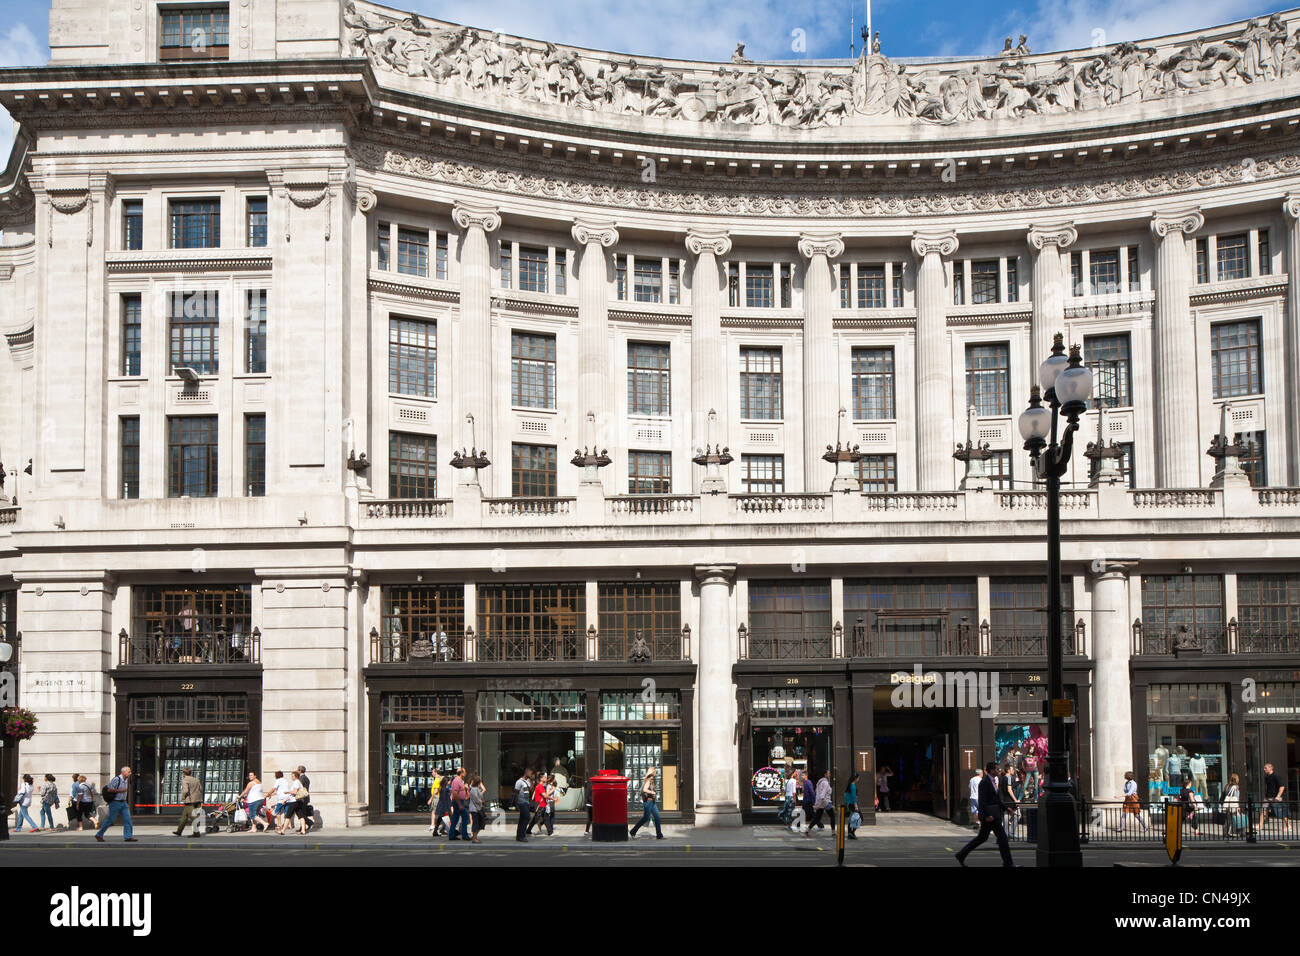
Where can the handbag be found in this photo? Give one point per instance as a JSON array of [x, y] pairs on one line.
[[303, 796], [855, 820], [1218, 818]]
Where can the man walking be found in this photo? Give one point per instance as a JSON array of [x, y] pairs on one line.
[[191, 799], [975, 797], [1274, 798], [119, 805], [787, 808], [990, 814], [459, 806], [524, 804]]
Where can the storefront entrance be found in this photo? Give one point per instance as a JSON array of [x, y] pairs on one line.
[[914, 747]]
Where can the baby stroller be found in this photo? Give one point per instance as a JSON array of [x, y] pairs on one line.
[[225, 815]]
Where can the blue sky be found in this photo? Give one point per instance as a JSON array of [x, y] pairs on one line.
[[709, 29]]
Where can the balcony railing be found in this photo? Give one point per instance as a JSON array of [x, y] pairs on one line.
[[9, 515], [530, 646], [786, 647], [216, 647], [660, 645], [890, 642], [1179, 640], [416, 648], [1264, 638], [778, 504], [526, 507], [409, 508], [651, 505], [1035, 645]]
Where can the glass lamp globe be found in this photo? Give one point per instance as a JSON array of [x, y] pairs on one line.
[[1052, 366], [1035, 422], [1074, 385]]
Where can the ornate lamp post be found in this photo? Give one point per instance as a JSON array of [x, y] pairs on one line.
[[589, 458], [471, 457], [713, 457], [1067, 384], [843, 456]]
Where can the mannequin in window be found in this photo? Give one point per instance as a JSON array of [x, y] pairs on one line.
[[1159, 758], [1197, 767]]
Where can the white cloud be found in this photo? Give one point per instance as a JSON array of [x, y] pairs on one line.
[[18, 47]]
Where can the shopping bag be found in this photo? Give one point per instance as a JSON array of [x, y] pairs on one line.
[[855, 820], [241, 815]]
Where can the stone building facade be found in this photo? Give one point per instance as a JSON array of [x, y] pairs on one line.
[[306, 302]]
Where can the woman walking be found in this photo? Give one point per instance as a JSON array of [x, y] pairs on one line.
[[441, 799], [49, 800], [1132, 804], [823, 802], [255, 798], [882, 788], [851, 805], [477, 796], [586, 795], [84, 803], [1233, 819], [540, 815], [23, 801], [73, 811], [649, 804], [797, 816], [280, 800]]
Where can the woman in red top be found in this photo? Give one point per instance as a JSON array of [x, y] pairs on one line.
[[540, 816]]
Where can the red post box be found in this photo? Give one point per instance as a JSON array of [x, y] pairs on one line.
[[608, 807]]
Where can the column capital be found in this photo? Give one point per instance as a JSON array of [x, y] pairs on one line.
[[718, 243], [941, 243], [1186, 222], [715, 573], [587, 232], [828, 244], [366, 199], [1291, 205], [1112, 567], [1061, 235], [487, 218]]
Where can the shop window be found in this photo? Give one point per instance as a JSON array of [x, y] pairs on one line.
[[1175, 606], [183, 625], [423, 708], [542, 622], [1184, 752], [434, 614], [633, 752], [624, 706]]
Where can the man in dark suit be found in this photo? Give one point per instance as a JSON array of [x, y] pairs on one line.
[[990, 817]]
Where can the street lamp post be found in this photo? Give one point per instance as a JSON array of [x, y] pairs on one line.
[[1066, 385]]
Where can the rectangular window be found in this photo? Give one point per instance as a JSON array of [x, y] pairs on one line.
[[131, 334], [193, 329], [1018, 610], [1254, 463], [649, 473], [194, 33], [192, 457], [532, 269], [911, 617], [412, 465], [871, 287], [433, 613], [1108, 357], [1265, 254], [1125, 465], [760, 383], [440, 253], [787, 286], [189, 617], [384, 232], [984, 282], [1134, 270], [507, 264], [1103, 271], [532, 370], [195, 223], [878, 473], [1172, 602], [1202, 261], [674, 282], [758, 287], [1235, 365], [561, 271], [255, 455], [988, 378], [959, 283], [541, 622], [845, 297], [733, 285], [130, 453], [132, 224], [898, 285], [999, 469], [413, 251], [789, 619], [257, 221], [1268, 604], [873, 384], [412, 357], [648, 385], [762, 474], [620, 278], [1013, 280], [532, 473], [647, 281], [1232, 254], [255, 331], [1076, 273]]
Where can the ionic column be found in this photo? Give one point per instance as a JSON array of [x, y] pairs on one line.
[[820, 383], [1291, 337], [933, 363], [1047, 288], [708, 360], [1112, 718], [716, 802], [474, 365], [1177, 438], [593, 238]]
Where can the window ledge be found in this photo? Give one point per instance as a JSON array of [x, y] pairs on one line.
[[524, 410]]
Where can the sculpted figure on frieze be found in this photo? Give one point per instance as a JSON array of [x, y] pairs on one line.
[[1010, 85]]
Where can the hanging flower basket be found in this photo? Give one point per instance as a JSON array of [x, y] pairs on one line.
[[17, 723]]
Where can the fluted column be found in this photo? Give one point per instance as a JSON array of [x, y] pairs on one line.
[[1112, 719], [1048, 288], [474, 363], [716, 803], [1174, 364], [933, 363], [708, 361], [820, 382], [1291, 337], [594, 395]]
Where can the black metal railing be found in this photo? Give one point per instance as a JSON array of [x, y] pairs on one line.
[[1265, 638], [1034, 645], [1179, 640], [1144, 823], [790, 646], [531, 646], [888, 642], [187, 647], [419, 647], [661, 645]]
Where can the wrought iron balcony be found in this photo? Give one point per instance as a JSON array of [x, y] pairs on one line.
[[642, 646], [439, 647], [1264, 638], [190, 647], [1182, 639], [1073, 643], [494, 646], [785, 645]]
